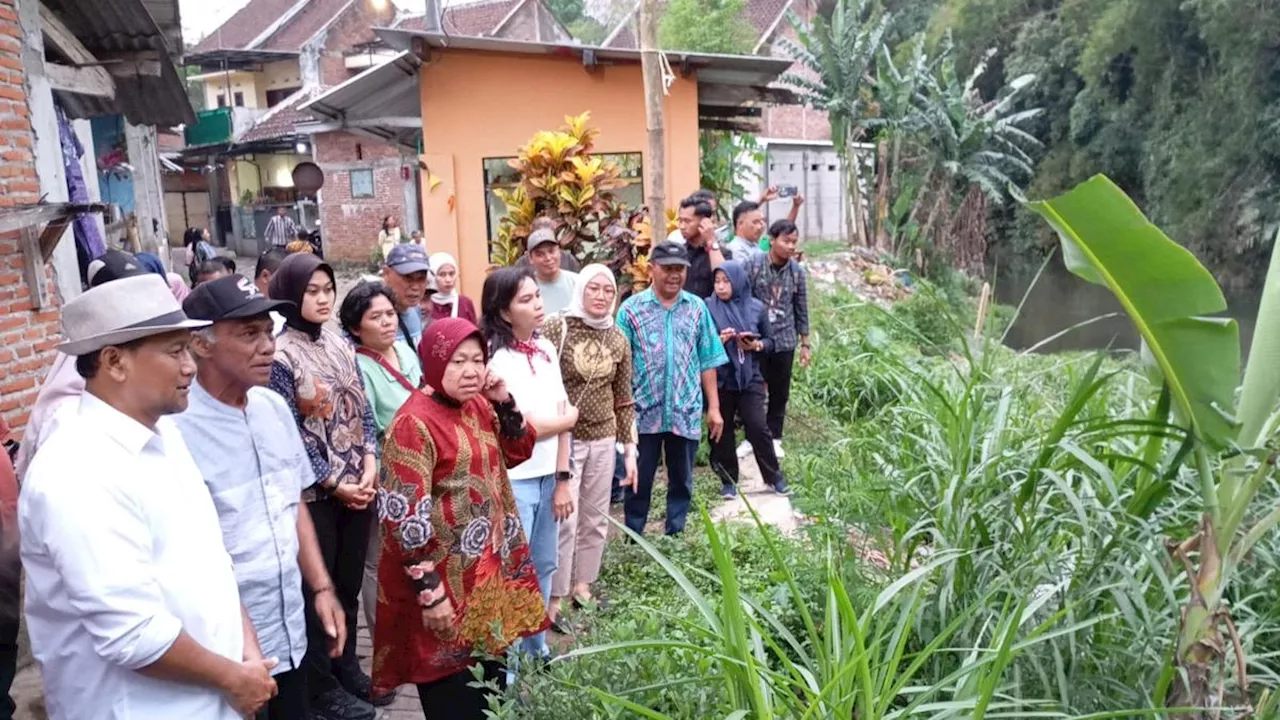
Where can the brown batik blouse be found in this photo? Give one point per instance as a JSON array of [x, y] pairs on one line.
[[596, 367]]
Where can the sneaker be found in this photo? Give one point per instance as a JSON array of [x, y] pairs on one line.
[[780, 487], [744, 449], [728, 491], [338, 704], [777, 449], [361, 686]]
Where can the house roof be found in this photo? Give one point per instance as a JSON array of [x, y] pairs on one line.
[[244, 26], [764, 17], [116, 30], [482, 17], [310, 20], [382, 102], [281, 120]]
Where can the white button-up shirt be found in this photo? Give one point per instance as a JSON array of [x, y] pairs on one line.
[[255, 467], [123, 551]]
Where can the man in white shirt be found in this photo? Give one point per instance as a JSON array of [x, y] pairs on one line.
[[131, 600]]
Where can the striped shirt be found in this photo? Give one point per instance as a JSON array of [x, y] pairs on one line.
[[281, 230], [670, 349], [255, 467]]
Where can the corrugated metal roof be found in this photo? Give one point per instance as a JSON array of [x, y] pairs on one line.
[[116, 29]]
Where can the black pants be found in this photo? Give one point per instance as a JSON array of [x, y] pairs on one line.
[[749, 406], [453, 697], [290, 702], [776, 368], [10, 611], [679, 453], [344, 541]]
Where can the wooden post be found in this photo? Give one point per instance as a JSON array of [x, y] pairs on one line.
[[655, 167]]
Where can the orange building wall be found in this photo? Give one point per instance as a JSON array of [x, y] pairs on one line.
[[478, 105]]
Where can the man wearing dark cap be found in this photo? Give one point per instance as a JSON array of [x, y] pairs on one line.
[[554, 281], [675, 351], [132, 603], [406, 273], [246, 444]]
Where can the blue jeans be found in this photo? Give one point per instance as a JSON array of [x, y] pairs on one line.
[[534, 500], [680, 453]]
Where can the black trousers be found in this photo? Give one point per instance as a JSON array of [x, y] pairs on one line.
[[10, 612], [776, 368], [453, 697], [749, 406], [343, 535], [290, 702]]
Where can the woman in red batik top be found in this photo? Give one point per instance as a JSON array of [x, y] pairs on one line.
[[455, 574]]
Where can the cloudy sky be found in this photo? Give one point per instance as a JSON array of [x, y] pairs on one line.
[[200, 17]]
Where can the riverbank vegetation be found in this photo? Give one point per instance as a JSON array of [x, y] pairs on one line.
[[989, 533]]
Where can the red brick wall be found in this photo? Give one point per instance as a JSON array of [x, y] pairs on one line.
[[794, 122], [350, 225], [27, 337]]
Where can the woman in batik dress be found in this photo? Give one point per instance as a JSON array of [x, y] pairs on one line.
[[455, 575]]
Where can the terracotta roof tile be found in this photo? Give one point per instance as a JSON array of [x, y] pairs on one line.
[[472, 19], [247, 24], [303, 26], [280, 121]]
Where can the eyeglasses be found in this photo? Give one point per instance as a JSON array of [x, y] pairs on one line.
[[600, 290]]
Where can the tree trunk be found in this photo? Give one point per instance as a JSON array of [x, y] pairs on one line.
[[882, 196], [655, 163], [855, 196]]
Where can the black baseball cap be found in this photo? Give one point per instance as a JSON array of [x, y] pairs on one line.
[[113, 265], [229, 298], [669, 253]]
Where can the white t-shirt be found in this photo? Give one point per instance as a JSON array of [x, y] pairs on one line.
[[538, 389]]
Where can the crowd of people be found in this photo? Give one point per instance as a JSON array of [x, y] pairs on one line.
[[213, 480]]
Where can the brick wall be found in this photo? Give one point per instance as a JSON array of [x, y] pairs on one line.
[[350, 225], [27, 337], [794, 122]]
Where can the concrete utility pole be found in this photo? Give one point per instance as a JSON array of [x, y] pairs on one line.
[[655, 168]]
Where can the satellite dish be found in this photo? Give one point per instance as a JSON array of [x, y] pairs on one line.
[[308, 178]]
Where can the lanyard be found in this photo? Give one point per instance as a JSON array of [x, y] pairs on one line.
[[386, 366]]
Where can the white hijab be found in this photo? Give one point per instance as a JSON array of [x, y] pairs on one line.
[[578, 307], [439, 260]]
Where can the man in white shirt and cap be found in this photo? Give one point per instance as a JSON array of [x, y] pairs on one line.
[[131, 599]]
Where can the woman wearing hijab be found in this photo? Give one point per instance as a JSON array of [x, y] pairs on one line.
[[595, 362], [455, 576], [446, 301], [315, 372], [744, 330], [512, 309]]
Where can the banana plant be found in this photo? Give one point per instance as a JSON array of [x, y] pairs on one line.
[[1176, 306]]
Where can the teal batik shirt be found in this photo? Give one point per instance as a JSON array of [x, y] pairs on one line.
[[670, 349]]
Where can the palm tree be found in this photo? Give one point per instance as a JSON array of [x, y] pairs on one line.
[[837, 60]]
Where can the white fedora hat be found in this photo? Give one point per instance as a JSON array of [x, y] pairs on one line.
[[122, 311]]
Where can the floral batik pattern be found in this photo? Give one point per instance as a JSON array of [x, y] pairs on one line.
[[446, 504]]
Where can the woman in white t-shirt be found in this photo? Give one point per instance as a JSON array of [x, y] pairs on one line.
[[511, 311]]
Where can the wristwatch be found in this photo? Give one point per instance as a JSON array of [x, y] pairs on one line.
[[563, 476], [715, 245]]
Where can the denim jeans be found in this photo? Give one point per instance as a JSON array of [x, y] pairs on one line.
[[534, 500], [680, 453]]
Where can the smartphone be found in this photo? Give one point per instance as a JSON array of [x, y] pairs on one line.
[[786, 191], [748, 336]]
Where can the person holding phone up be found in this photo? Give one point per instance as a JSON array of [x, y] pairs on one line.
[[744, 330]]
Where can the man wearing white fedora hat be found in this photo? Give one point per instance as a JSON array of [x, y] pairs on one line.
[[131, 600]]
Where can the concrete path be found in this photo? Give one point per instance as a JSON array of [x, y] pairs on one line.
[[773, 509]]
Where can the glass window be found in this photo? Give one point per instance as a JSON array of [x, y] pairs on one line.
[[499, 175], [222, 100], [239, 99], [362, 183]]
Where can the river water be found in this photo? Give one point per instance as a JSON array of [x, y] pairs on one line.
[[1060, 300]]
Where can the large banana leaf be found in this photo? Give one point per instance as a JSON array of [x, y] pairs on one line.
[[1165, 291]]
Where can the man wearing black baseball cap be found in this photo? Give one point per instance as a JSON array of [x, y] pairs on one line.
[[246, 444]]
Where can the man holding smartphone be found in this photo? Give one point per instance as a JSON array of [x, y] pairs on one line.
[[779, 281]]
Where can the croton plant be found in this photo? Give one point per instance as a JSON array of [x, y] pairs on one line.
[[559, 178]]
